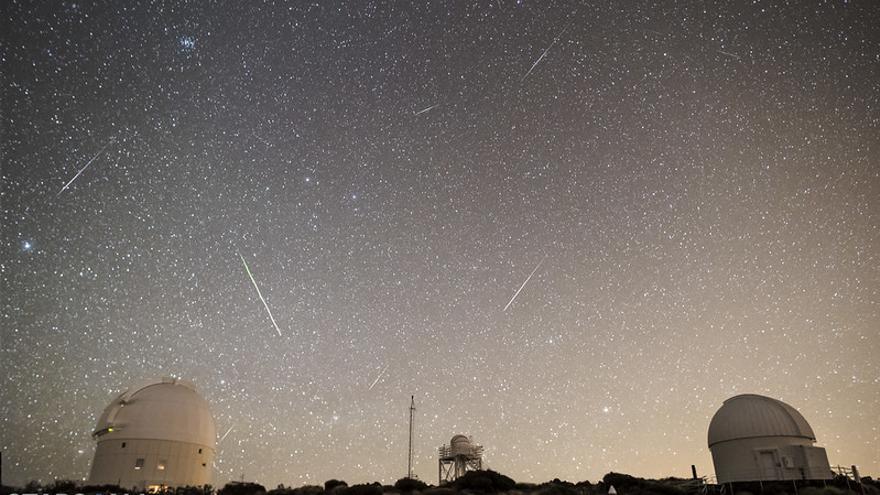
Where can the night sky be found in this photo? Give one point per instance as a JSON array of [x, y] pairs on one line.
[[690, 189]]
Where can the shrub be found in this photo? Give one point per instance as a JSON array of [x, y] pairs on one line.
[[193, 490], [525, 487], [94, 489], [410, 484], [308, 490], [439, 490], [329, 485], [62, 486], [237, 488], [556, 487], [370, 489], [282, 490], [638, 486], [33, 486], [485, 481]]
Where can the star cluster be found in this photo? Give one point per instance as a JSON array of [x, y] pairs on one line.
[[693, 187]]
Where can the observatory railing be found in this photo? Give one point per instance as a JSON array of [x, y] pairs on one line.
[[850, 473], [472, 452], [777, 472]]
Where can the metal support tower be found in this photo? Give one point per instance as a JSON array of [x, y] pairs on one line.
[[409, 458], [457, 458]]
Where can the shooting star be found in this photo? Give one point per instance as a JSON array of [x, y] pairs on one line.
[[658, 33], [85, 167], [427, 109], [537, 61], [544, 54], [524, 284], [224, 435], [729, 54], [379, 377], [248, 270]]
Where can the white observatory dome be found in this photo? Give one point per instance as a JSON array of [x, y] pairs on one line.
[[460, 444], [155, 435], [164, 409], [749, 416], [756, 438], [459, 439]]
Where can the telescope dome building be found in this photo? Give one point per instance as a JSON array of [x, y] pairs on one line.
[[158, 434], [459, 457], [756, 438]]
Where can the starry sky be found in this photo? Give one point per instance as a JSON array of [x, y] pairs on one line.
[[690, 188]]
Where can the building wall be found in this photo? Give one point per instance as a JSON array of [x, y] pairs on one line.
[[817, 465], [769, 459], [186, 464]]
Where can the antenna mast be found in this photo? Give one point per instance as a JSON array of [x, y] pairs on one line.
[[409, 459]]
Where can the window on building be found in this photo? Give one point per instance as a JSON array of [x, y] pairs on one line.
[[161, 465], [123, 445], [200, 451], [139, 463], [204, 465]]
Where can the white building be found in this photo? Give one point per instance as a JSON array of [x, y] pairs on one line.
[[157, 434], [756, 438], [459, 457]]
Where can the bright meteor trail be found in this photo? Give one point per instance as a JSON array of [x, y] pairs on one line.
[[427, 109], [84, 167], [379, 377], [524, 284], [248, 270], [224, 435], [544, 54]]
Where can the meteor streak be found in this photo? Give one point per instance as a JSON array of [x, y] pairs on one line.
[[524, 284], [729, 54], [224, 435], [379, 377], [84, 167], [544, 54], [248, 270], [537, 61], [427, 109]]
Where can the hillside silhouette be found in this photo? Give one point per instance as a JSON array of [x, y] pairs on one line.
[[491, 482]]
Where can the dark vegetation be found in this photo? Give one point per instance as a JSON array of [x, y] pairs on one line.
[[490, 482]]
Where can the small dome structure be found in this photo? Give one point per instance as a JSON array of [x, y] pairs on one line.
[[757, 438], [157, 434], [460, 445], [457, 458]]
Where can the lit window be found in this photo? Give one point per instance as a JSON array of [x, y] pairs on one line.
[[161, 466], [139, 463]]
